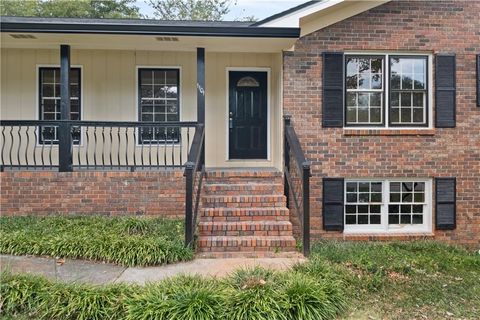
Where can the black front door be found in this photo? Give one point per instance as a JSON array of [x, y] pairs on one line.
[[247, 120]]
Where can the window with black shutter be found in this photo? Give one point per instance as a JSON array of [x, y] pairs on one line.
[[332, 89], [333, 204], [445, 203], [445, 91]]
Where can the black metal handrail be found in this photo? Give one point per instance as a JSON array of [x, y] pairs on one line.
[[194, 165], [297, 182], [68, 145]]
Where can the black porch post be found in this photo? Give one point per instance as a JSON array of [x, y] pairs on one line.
[[201, 85], [64, 134]]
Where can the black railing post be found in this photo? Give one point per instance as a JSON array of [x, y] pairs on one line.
[[286, 153], [306, 207], [64, 129], [189, 169]]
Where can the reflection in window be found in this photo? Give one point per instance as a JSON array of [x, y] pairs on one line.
[[159, 99], [50, 102], [407, 201], [364, 84], [408, 90], [364, 200]]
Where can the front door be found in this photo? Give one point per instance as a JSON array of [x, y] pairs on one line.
[[248, 114]]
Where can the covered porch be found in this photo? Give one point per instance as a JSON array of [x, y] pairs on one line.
[[136, 100]]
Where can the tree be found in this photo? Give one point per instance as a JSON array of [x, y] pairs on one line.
[[70, 9], [204, 10]]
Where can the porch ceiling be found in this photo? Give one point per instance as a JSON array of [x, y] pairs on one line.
[[145, 42]]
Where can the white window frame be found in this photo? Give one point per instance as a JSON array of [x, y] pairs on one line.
[[384, 227], [386, 97]]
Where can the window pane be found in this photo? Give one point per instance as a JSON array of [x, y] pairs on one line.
[[408, 78], [405, 219], [375, 219], [394, 219], [49, 88], [363, 203], [159, 100], [364, 75], [417, 219], [351, 186], [351, 219]]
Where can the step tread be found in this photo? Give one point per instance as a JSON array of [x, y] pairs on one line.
[[243, 196], [247, 238]]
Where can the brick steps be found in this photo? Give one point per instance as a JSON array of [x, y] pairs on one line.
[[250, 188], [246, 243], [244, 214], [245, 228], [225, 201]]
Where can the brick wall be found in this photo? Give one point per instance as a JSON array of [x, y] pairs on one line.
[[105, 193], [433, 26]]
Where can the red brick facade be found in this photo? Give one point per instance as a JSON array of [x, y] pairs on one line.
[[104, 193], [428, 26]]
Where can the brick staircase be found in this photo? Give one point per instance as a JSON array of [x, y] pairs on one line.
[[244, 214]]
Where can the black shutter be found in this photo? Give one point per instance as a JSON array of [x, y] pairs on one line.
[[445, 91], [333, 89], [445, 203], [478, 80], [333, 204]]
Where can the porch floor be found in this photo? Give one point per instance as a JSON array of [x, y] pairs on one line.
[[82, 271]]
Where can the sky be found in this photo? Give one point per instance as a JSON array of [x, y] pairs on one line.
[[260, 9]]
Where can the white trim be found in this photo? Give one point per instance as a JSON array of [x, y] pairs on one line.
[[292, 20], [384, 228], [269, 142], [180, 83], [386, 75], [37, 95]]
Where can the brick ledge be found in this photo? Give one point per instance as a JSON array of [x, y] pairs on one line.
[[389, 132]]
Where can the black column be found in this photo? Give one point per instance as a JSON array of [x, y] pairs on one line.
[[64, 134], [201, 85]]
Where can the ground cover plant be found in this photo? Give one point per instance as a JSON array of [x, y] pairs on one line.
[[255, 294], [402, 280], [341, 280], [129, 241]]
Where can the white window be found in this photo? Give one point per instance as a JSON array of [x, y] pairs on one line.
[[386, 90], [388, 205]]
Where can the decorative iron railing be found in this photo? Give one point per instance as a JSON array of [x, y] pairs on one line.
[[297, 182], [194, 173], [94, 145]]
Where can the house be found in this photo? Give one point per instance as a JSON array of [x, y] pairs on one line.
[[364, 113]]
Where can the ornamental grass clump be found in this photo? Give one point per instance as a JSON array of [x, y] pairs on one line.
[[183, 297]]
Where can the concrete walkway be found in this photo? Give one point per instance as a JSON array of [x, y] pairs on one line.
[[81, 271]]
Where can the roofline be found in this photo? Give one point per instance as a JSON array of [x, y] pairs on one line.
[[132, 29], [286, 12]]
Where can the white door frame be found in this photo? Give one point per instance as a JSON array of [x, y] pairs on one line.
[[253, 69]]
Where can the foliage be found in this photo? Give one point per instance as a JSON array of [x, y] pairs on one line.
[[127, 241], [266, 294], [403, 280], [70, 9], [201, 10]]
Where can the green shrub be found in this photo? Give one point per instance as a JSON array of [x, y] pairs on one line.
[[310, 299], [254, 294], [129, 241], [183, 297]]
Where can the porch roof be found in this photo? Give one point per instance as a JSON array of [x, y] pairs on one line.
[[144, 27]]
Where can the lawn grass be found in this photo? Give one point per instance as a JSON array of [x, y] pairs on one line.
[[128, 241], [408, 280]]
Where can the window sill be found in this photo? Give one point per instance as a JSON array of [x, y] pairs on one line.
[[389, 132], [387, 236]]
